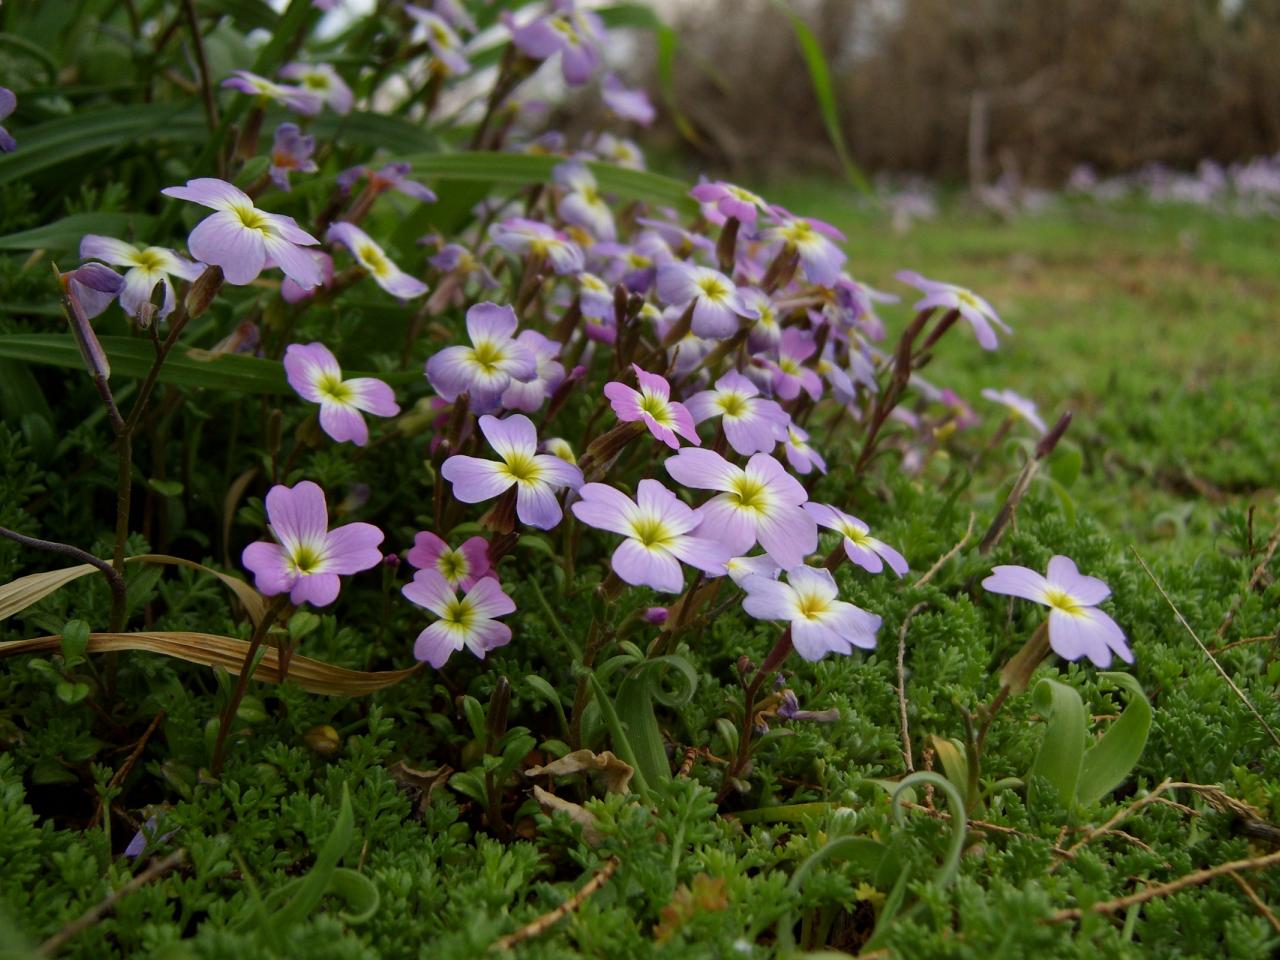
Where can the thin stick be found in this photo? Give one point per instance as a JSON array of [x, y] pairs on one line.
[[114, 580], [95, 913], [929, 574], [902, 680], [118, 777], [1200, 643], [1252, 894], [202, 64], [1258, 571], [1165, 889], [541, 924]]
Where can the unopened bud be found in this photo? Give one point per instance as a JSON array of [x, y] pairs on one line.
[[203, 290], [323, 739]]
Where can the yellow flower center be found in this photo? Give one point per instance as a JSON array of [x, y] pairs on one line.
[[487, 355], [733, 404], [1061, 600], [749, 493], [967, 298], [306, 560], [789, 366], [459, 614], [374, 259], [521, 468], [650, 532], [334, 388], [713, 288], [149, 259], [798, 232], [656, 407], [316, 81], [251, 217], [810, 605], [452, 565]]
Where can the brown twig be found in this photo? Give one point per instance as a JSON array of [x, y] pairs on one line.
[[1258, 571], [95, 913], [902, 681], [119, 776], [1212, 659], [1258, 902], [1165, 889], [202, 64], [540, 925], [114, 579], [929, 574]]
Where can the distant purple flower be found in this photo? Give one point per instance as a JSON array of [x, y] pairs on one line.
[[457, 259], [759, 503], [766, 328], [1018, 405], [461, 568], [820, 623], [146, 838], [8, 103], [146, 267], [619, 151], [751, 423], [857, 301], [659, 531], [581, 205], [298, 99], [492, 361], [718, 304], [627, 104], [536, 476], [239, 237], [314, 373], [290, 151], [532, 238], [652, 404], [455, 14], [814, 242], [802, 457], [390, 176], [467, 622], [309, 557], [595, 297], [371, 256], [789, 372], [862, 548], [324, 81], [577, 35], [729, 200], [529, 395], [446, 46], [980, 315], [1077, 628]]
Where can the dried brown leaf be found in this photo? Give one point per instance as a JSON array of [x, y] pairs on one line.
[[579, 814], [616, 773]]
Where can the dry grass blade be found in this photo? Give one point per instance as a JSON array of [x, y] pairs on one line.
[[552, 917], [941, 561], [211, 650], [19, 594], [1207, 652]]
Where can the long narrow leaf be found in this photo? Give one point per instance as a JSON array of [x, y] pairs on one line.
[[1062, 750], [1109, 762], [65, 234]]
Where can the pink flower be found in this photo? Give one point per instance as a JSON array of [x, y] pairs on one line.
[[820, 623], [728, 200], [461, 567], [659, 531], [467, 622], [371, 256], [759, 503], [979, 314], [313, 371], [492, 361], [309, 557], [536, 476], [789, 372], [718, 304], [751, 423], [1077, 628], [862, 548], [146, 268], [1018, 405], [652, 404], [240, 238], [626, 104]]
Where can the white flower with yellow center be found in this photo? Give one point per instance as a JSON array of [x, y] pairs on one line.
[[374, 260], [145, 267], [820, 623]]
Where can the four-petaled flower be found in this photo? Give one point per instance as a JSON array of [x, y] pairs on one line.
[[536, 476], [582, 206], [372, 257], [979, 314], [813, 241], [751, 423], [531, 238], [146, 267], [309, 557], [239, 237], [729, 200], [324, 81], [862, 548], [789, 372], [577, 35], [759, 503], [461, 567], [820, 623], [290, 151], [653, 405], [1077, 628], [492, 361], [466, 621], [659, 528], [313, 371], [717, 302]]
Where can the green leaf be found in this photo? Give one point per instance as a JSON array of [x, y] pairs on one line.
[[248, 14], [634, 704], [1062, 750], [319, 878], [820, 76], [65, 234], [1110, 761], [75, 638]]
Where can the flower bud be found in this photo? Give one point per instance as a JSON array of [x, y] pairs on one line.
[[323, 739], [203, 290]]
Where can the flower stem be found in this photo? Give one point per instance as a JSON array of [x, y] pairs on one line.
[[781, 650], [242, 681]]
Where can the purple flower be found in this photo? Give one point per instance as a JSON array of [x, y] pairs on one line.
[[91, 288], [980, 315], [8, 103], [658, 527], [239, 237], [531, 238], [371, 256], [626, 104], [820, 624], [581, 205], [596, 297], [445, 44], [1018, 405], [291, 151], [309, 557], [390, 176], [728, 200], [536, 476], [324, 81], [619, 151], [461, 568], [146, 267], [147, 837], [814, 242], [856, 301], [314, 373], [718, 304], [1077, 628], [766, 329], [467, 622], [529, 395], [802, 457], [458, 260], [290, 292], [653, 405], [789, 372], [862, 548], [758, 503], [760, 565], [751, 423], [492, 361], [298, 99], [456, 15], [576, 35]]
